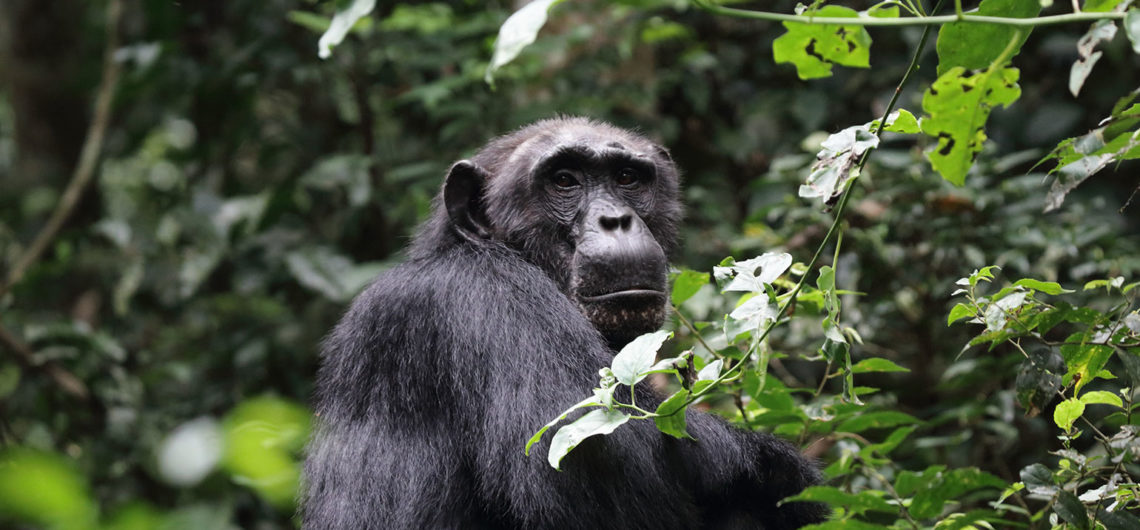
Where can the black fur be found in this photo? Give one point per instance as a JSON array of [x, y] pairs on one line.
[[438, 374]]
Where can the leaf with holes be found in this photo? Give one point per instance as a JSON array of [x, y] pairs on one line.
[[814, 48], [958, 106], [975, 46]]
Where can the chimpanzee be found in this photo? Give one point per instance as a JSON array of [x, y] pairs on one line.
[[545, 253]]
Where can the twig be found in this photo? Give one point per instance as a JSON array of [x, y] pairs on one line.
[[64, 379], [88, 157], [941, 20], [84, 170]]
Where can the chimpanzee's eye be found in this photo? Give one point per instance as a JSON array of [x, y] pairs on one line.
[[627, 176], [565, 179]]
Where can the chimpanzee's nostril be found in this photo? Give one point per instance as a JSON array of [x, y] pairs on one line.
[[614, 223]]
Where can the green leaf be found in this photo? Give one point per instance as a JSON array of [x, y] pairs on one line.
[[518, 32], [686, 284], [961, 310], [1045, 287], [331, 274], [814, 48], [670, 417], [876, 420], [929, 500], [1083, 360], [1038, 379], [1070, 508], [856, 503], [1132, 28], [958, 106], [1101, 31], [262, 437], [1131, 364], [1100, 6], [592, 401], [633, 362], [893, 441], [711, 371], [44, 488], [1038, 479], [311, 21], [876, 364], [902, 121], [975, 46], [9, 379], [1083, 156], [1067, 412], [1118, 520], [599, 421], [1101, 397], [342, 22]]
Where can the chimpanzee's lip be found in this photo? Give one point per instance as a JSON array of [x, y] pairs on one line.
[[622, 295]]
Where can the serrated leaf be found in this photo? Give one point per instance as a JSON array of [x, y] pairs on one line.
[[516, 33], [686, 284], [670, 417], [876, 364], [1101, 397], [814, 48], [634, 360], [342, 22], [599, 421], [958, 106], [975, 46], [1067, 412], [1101, 31]]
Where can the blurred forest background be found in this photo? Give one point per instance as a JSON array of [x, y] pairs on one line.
[[158, 358]]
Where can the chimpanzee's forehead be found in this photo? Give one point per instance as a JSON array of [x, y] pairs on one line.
[[587, 139]]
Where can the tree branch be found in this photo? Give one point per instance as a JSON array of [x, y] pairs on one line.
[[1067, 18], [84, 170], [88, 157]]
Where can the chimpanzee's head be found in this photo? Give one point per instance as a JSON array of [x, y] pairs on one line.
[[594, 206]]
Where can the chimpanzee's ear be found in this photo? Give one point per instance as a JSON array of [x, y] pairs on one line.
[[463, 197]]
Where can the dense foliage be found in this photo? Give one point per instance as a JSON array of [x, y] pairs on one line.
[[159, 352]]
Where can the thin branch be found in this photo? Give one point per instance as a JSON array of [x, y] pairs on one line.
[[88, 157], [65, 380], [909, 21], [84, 170]]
